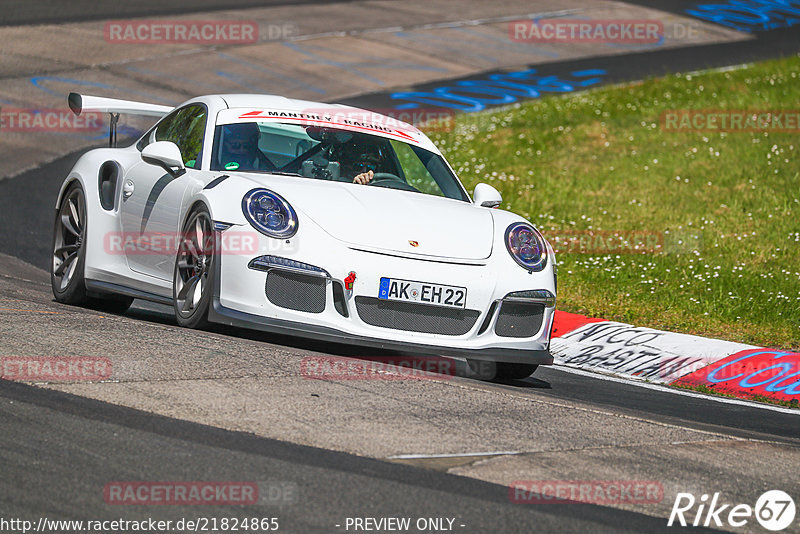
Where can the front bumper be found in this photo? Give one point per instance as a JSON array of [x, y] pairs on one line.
[[240, 300], [220, 314]]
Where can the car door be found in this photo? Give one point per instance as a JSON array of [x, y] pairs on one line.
[[151, 202]]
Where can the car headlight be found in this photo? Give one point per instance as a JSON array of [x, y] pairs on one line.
[[270, 213], [526, 245]]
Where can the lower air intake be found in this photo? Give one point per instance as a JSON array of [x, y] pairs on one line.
[[294, 291], [414, 317], [519, 319]]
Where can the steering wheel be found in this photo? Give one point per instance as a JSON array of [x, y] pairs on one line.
[[391, 181]]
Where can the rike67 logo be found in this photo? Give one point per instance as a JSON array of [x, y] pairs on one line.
[[774, 510]]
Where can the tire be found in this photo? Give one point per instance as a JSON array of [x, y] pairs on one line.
[[69, 253], [195, 265], [485, 370], [515, 371], [69, 256]]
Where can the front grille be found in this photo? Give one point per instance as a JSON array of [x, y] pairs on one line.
[[295, 291], [519, 319], [415, 317]]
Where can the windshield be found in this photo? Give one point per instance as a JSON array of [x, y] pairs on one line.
[[332, 154]]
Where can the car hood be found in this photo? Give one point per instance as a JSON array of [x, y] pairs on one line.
[[388, 220]]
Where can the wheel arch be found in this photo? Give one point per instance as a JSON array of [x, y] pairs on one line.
[[193, 206], [72, 178], [223, 205]]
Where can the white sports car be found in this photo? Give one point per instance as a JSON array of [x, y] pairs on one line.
[[307, 219]]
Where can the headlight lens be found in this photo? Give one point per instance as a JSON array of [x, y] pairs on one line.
[[269, 213], [526, 245]]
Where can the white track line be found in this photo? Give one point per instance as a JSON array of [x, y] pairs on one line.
[[454, 455], [676, 391]]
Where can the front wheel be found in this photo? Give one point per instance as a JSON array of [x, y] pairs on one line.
[[194, 270], [485, 370]]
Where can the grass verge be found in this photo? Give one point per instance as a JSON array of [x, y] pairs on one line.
[[723, 208]]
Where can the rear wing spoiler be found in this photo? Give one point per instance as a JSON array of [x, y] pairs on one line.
[[114, 107]]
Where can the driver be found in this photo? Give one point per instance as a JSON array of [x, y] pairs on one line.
[[240, 148], [361, 161], [367, 163]]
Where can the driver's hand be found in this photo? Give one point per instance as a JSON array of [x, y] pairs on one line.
[[363, 178]]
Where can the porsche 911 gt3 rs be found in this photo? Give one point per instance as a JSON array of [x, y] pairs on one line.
[[307, 219]]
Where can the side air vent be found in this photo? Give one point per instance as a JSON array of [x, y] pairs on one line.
[[107, 183]]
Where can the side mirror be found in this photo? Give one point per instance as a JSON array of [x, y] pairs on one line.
[[487, 196], [165, 154]]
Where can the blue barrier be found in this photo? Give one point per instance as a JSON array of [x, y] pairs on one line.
[[750, 15], [497, 89]]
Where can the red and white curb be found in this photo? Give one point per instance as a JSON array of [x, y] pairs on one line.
[[670, 358]]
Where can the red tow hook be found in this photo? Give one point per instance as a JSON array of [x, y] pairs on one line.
[[349, 281]]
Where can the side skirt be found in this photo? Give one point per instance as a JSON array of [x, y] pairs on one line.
[[97, 287]]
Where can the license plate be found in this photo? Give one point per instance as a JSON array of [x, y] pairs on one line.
[[422, 292]]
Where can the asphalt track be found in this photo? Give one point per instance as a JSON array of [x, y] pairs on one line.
[[58, 449], [21, 12], [85, 443]]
